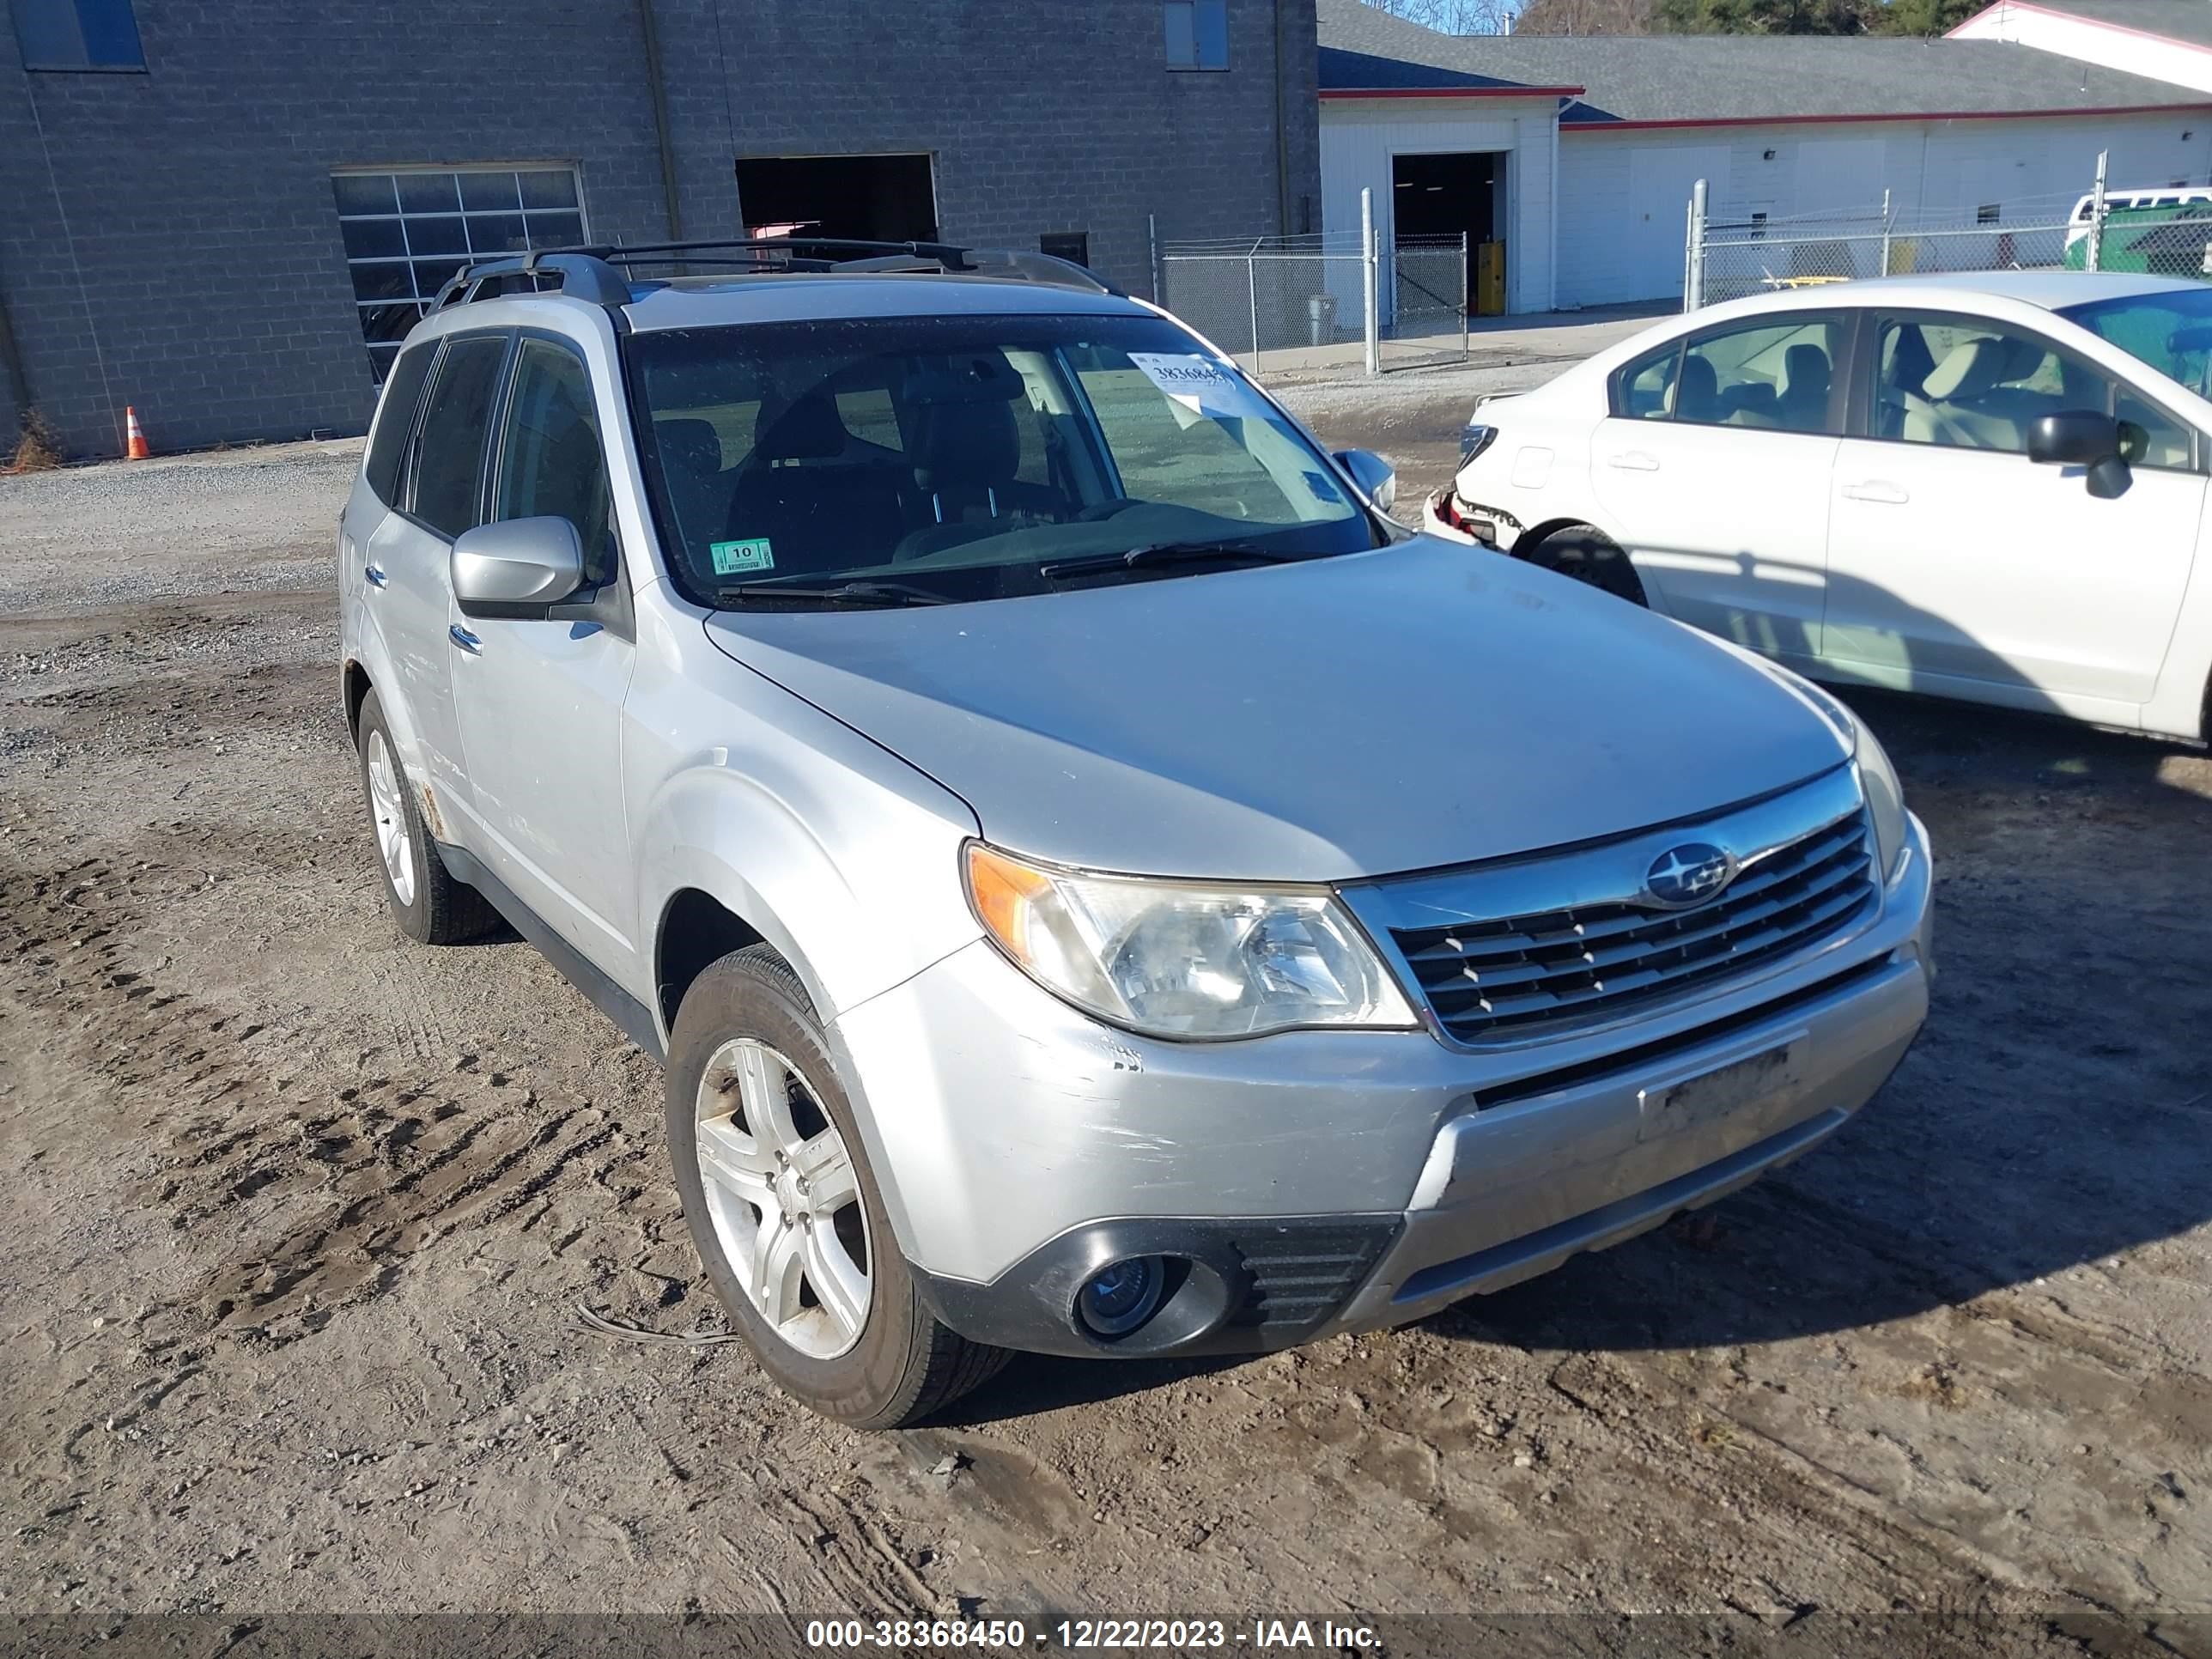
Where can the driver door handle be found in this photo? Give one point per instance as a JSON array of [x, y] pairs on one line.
[[468, 641], [1877, 490], [1633, 460], [374, 575]]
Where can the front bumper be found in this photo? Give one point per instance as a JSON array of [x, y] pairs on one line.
[[1318, 1182]]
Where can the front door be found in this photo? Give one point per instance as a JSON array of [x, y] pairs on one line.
[[1713, 467], [1959, 565], [540, 701]]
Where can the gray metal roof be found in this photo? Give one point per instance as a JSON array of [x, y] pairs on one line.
[[1695, 78], [2177, 20]]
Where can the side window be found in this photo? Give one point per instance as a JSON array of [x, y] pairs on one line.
[[1775, 376], [395, 420], [2148, 436], [449, 455], [1645, 390], [551, 462], [1974, 383]]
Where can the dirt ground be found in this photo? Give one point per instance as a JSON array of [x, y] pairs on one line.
[[298, 1216]]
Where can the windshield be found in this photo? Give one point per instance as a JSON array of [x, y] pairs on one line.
[[966, 457], [2172, 332]]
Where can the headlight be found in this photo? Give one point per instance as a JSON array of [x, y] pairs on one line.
[[1885, 803], [1473, 439], [1184, 959]]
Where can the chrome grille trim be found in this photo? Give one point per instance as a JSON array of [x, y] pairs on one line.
[[1530, 948]]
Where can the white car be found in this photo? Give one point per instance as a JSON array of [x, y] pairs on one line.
[[1989, 487]]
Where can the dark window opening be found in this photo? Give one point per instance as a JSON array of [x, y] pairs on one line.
[[869, 198], [1450, 195], [1070, 244], [1988, 213], [78, 34]]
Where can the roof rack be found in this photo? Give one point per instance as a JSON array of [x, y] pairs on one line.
[[597, 273]]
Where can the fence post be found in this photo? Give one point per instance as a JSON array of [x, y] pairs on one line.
[[1370, 275], [1693, 283], [1252, 298], [1884, 271], [1152, 241], [1466, 276], [2096, 216]]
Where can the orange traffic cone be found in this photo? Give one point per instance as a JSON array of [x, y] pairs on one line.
[[137, 450]]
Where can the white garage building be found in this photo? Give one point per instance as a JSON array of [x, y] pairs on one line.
[[1579, 153]]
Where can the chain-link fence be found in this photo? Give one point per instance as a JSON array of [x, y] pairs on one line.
[[1424, 318], [1283, 303], [1728, 255]]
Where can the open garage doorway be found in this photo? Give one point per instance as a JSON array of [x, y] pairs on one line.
[[874, 199], [1456, 194]]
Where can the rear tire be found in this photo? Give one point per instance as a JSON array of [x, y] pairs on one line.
[[1587, 555], [429, 906], [754, 1102]]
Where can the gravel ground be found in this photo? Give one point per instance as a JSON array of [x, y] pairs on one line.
[[300, 1216]]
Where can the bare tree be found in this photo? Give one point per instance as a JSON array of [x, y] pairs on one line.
[[1452, 16], [1584, 17]]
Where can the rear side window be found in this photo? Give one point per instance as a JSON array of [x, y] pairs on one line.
[[395, 419], [449, 457]]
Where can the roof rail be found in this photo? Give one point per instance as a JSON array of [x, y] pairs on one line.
[[595, 273]]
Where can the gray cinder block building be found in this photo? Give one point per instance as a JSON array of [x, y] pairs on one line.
[[226, 212]]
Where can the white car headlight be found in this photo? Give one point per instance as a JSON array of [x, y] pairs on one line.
[[1184, 959], [1885, 802]]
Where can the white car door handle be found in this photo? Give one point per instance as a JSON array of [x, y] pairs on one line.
[[1634, 460], [468, 641], [375, 576], [1877, 490]]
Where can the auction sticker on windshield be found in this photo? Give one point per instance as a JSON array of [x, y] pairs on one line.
[[1199, 384]]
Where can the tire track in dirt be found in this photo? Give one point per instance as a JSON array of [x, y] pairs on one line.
[[334, 1190]]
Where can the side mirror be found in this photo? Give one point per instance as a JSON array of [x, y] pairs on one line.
[[2085, 438], [1377, 478], [518, 569]]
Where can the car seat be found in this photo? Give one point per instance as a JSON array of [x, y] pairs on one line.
[[1805, 379], [691, 470], [818, 509]]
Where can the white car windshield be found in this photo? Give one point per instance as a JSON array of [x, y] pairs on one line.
[[2171, 330], [968, 457]]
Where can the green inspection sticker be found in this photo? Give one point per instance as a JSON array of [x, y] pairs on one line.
[[731, 557]]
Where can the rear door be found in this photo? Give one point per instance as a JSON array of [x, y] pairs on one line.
[[540, 701], [1957, 565], [409, 556], [1713, 466]]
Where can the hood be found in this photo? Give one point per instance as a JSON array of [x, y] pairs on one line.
[[1414, 707]]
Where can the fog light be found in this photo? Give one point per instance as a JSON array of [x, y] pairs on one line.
[[1115, 1300]]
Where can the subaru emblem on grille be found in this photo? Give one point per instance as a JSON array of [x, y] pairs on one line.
[[1689, 874]]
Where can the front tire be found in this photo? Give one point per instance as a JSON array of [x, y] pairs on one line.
[[429, 906], [1588, 555], [785, 1215]]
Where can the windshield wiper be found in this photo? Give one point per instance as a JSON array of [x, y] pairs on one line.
[[872, 595], [1163, 553]]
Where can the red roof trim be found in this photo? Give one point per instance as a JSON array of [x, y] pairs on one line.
[[1927, 115], [1453, 91]]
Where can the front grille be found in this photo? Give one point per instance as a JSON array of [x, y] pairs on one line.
[[1515, 975]]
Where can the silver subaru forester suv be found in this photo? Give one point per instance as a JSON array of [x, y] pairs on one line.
[[1098, 886]]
